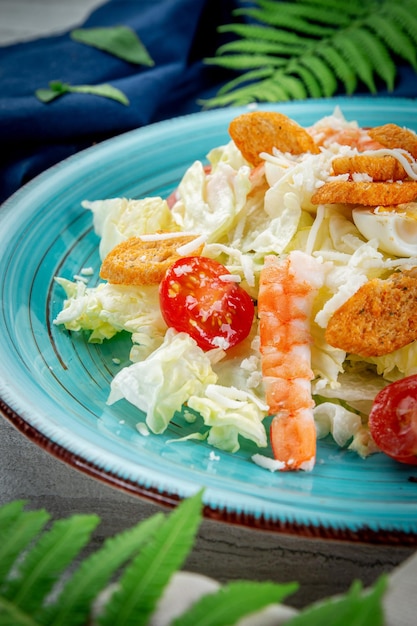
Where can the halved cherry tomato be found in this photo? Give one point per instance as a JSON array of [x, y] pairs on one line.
[[197, 297], [393, 420]]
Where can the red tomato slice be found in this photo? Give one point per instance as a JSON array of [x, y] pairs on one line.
[[196, 299], [393, 420]]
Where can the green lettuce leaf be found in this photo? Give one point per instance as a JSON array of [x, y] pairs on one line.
[[163, 382]]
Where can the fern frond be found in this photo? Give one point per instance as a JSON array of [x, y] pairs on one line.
[[75, 599], [341, 68], [309, 79], [354, 7], [254, 75], [244, 62], [395, 38], [144, 579], [252, 31], [323, 73], [259, 46], [273, 91], [285, 20], [18, 529], [403, 17], [350, 50], [53, 552], [234, 598], [11, 615], [349, 46], [293, 86], [377, 55], [313, 13]]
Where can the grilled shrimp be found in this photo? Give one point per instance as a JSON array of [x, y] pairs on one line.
[[286, 293]]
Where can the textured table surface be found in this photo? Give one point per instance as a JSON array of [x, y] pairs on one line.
[[224, 552]]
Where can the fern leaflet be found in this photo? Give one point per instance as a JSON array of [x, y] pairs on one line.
[[145, 578], [74, 601], [17, 529], [321, 46], [48, 558]]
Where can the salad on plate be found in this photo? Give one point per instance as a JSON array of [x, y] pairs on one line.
[[279, 280]]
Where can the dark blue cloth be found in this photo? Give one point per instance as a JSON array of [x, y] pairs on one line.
[[178, 35]]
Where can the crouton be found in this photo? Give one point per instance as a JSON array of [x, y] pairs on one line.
[[365, 193], [379, 318], [139, 261], [378, 168], [393, 136], [261, 131]]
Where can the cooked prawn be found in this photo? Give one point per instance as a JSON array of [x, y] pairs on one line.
[[354, 137], [286, 293]]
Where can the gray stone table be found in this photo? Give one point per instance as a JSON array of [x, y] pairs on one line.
[[222, 551]]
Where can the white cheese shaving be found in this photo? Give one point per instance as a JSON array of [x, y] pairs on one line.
[[230, 278], [87, 271], [267, 463], [163, 236], [188, 248], [142, 429]]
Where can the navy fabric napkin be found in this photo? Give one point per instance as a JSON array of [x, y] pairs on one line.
[[178, 35]]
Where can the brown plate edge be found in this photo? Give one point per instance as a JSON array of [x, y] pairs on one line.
[[363, 534]]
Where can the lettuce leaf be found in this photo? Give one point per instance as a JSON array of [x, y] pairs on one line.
[[108, 309], [117, 219], [209, 204], [230, 412], [163, 382]]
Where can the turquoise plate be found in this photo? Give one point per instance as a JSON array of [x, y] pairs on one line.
[[54, 385]]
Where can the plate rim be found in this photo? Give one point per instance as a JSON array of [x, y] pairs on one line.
[[362, 534]]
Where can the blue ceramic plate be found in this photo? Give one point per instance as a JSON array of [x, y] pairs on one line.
[[54, 385]]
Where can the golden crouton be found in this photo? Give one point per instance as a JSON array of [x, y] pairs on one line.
[[261, 131], [365, 193], [378, 319], [392, 136], [378, 168], [143, 262]]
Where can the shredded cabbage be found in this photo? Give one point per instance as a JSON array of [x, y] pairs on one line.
[[117, 219], [243, 215], [165, 380], [108, 309]]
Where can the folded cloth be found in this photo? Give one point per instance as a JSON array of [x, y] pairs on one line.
[[178, 34]]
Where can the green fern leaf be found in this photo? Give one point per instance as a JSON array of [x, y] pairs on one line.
[[377, 55], [323, 74], [273, 91], [395, 37], [254, 75], [244, 62], [74, 601], [402, 16], [258, 46], [309, 79], [349, 49], [11, 615], [145, 578], [319, 44], [53, 552], [293, 86], [252, 31], [232, 601], [340, 67], [324, 15], [285, 20], [354, 7], [17, 529]]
